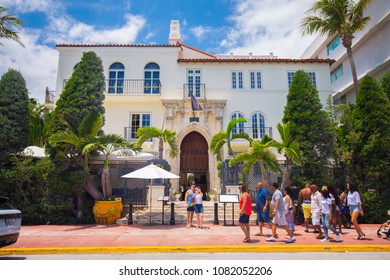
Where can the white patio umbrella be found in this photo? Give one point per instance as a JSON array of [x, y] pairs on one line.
[[151, 172], [35, 151]]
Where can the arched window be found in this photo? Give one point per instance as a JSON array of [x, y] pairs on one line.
[[152, 78], [258, 125], [116, 74], [238, 128]]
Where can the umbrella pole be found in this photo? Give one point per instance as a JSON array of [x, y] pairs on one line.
[[150, 204]]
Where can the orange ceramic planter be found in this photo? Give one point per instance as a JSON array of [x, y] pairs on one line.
[[107, 212]]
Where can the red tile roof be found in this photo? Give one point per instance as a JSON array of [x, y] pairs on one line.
[[197, 50], [257, 60], [115, 45]]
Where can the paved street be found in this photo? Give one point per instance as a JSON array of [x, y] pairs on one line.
[[208, 256]]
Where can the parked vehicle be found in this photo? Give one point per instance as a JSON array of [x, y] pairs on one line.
[[10, 223]]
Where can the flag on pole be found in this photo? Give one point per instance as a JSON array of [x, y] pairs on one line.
[[195, 104]]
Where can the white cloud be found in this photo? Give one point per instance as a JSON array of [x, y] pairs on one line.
[[264, 26], [37, 63], [68, 30], [200, 31], [24, 6]]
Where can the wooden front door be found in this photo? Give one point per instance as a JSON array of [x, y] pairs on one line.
[[194, 160]]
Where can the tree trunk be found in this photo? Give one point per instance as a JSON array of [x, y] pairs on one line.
[[286, 176], [79, 204], [93, 190], [353, 69], [160, 149], [106, 184], [266, 182]]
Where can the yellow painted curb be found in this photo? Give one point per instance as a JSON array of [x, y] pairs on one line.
[[197, 249]]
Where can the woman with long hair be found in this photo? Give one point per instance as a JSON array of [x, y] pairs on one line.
[[288, 202], [355, 208], [336, 221], [326, 214]]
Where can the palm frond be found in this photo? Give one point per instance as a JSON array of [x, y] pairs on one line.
[[146, 133], [65, 137], [170, 138], [233, 123], [91, 124]]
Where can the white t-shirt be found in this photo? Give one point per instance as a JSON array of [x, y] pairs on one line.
[[353, 198], [325, 202], [198, 199], [315, 202]]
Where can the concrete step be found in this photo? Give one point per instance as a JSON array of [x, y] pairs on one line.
[[146, 216]]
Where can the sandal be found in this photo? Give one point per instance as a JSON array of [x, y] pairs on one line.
[[246, 240], [258, 234]]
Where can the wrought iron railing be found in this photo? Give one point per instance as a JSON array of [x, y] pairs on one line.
[[255, 132], [130, 134], [49, 96], [131, 86], [198, 90]]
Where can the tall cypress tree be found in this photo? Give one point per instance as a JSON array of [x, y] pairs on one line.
[[311, 127], [385, 83], [83, 94], [14, 114], [371, 150]]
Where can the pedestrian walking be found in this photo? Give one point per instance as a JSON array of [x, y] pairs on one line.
[[288, 202], [245, 211], [315, 209], [304, 198], [355, 208], [279, 215], [326, 216], [262, 208]]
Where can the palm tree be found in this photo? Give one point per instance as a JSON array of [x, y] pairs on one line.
[[226, 137], [341, 17], [260, 153], [108, 144], [164, 136], [86, 140], [5, 22], [289, 148]]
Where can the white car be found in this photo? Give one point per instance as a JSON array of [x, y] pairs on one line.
[[10, 223]]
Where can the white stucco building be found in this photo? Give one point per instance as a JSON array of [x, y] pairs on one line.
[[371, 52], [150, 85]]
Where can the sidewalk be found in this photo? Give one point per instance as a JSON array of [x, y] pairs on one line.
[[51, 239]]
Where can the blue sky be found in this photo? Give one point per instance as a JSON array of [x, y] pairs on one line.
[[214, 26]]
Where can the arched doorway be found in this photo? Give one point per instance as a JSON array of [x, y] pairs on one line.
[[194, 161]]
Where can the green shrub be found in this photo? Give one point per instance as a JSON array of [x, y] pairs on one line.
[[375, 208]]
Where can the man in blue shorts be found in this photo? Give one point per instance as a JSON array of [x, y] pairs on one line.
[[262, 207]]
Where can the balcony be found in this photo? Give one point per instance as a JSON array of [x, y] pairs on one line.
[[49, 98], [148, 146], [198, 90], [256, 133], [133, 87]]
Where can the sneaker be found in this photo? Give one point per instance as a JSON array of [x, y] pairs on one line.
[[290, 240], [271, 239], [324, 240], [338, 238]]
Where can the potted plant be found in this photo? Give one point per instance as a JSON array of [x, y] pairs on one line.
[[212, 194], [109, 209], [177, 195], [86, 139]]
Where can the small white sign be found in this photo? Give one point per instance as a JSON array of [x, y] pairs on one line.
[[229, 198]]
